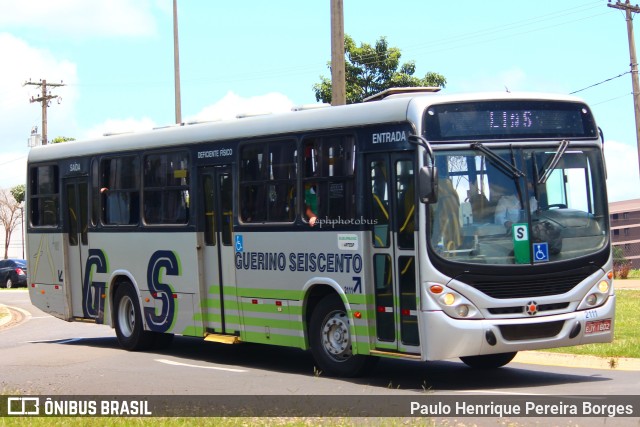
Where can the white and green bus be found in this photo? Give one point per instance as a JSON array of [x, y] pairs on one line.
[[414, 226]]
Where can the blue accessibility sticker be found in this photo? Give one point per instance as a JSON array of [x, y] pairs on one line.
[[540, 252]]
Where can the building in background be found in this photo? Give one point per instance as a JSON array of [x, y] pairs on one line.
[[625, 229]]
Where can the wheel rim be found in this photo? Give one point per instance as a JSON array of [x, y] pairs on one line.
[[9, 284], [126, 316], [336, 339]]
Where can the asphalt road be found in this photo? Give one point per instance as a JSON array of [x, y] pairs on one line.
[[41, 355]]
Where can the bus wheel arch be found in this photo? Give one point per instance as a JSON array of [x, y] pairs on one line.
[[127, 318], [313, 295], [329, 335]]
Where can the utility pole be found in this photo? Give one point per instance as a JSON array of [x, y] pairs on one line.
[[628, 9], [44, 99], [338, 90], [176, 62]]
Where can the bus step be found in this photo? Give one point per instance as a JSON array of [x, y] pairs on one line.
[[223, 339], [84, 319], [395, 354]]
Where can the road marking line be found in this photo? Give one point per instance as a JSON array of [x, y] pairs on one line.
[[171, 362]]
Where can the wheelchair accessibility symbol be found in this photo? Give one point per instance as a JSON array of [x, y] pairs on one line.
[[239, 243], [540, 252]]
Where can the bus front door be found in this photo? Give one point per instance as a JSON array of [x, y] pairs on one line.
[[215, 221], [391, 201], [86, 302]]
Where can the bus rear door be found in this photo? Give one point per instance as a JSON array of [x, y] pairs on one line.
[[217, 252], [76, 221]]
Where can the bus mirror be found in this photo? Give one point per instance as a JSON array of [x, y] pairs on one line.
[[428, 184]]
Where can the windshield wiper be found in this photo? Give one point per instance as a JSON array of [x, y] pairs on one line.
[[498, 161], [551, 165]]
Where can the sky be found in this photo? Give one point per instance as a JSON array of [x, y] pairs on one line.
[[115, 59]]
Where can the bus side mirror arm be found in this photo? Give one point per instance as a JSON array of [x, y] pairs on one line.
[[428, 175]]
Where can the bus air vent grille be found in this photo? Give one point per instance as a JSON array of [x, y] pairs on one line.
[[532, 331], [526, 286]]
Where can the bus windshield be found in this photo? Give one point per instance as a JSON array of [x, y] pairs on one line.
[[518, 205]]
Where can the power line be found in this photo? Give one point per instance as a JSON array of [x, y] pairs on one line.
[[13, 160], [599, 83], [475, 35], [446, 43], [610, 99]]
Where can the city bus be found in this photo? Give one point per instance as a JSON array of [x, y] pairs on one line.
[[416, 225]]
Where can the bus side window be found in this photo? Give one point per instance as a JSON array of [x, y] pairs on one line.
[[406, 203], [268, 172], [120, 189], [379, 203], [250, 174], [328, 176], [282, 175], [44, 196], [166, 188]]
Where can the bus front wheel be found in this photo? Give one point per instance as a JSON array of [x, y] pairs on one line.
[[330, 340], [489, 361], [128, 321]]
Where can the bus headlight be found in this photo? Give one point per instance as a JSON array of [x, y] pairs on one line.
[[448, 298], [603, 286], [453, 303], [462, 310], [597, 295]]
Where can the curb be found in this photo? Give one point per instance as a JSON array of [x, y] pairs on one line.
[[5, 315], [577, 361]]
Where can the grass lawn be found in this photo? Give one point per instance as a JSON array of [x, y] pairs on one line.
[[626, 341]]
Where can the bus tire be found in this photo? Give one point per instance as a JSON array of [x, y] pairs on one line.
[[489, 361], [128, 321], [330, 340]]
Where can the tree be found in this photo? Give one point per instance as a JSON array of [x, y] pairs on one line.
[[10, 213], [59, 139], [18, 193], [372, 69], [621, 265]]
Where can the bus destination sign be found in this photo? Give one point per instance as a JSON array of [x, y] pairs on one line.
[[508, 120]]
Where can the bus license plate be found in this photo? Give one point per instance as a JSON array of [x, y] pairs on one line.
[[598, 326]]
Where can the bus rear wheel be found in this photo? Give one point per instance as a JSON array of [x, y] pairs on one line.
[[489, 361], [128, 321], [330, 340]]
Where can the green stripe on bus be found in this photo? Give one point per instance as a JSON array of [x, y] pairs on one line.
[[208, 317], [193, 331], [356, 299], [270, 293], [275, 339], [389, 346], [273, 323]]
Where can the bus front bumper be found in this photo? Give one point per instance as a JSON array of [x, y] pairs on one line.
[[446, 337]]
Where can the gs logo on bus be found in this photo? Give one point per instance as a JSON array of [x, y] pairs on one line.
[[92, 292], [162, 292]]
